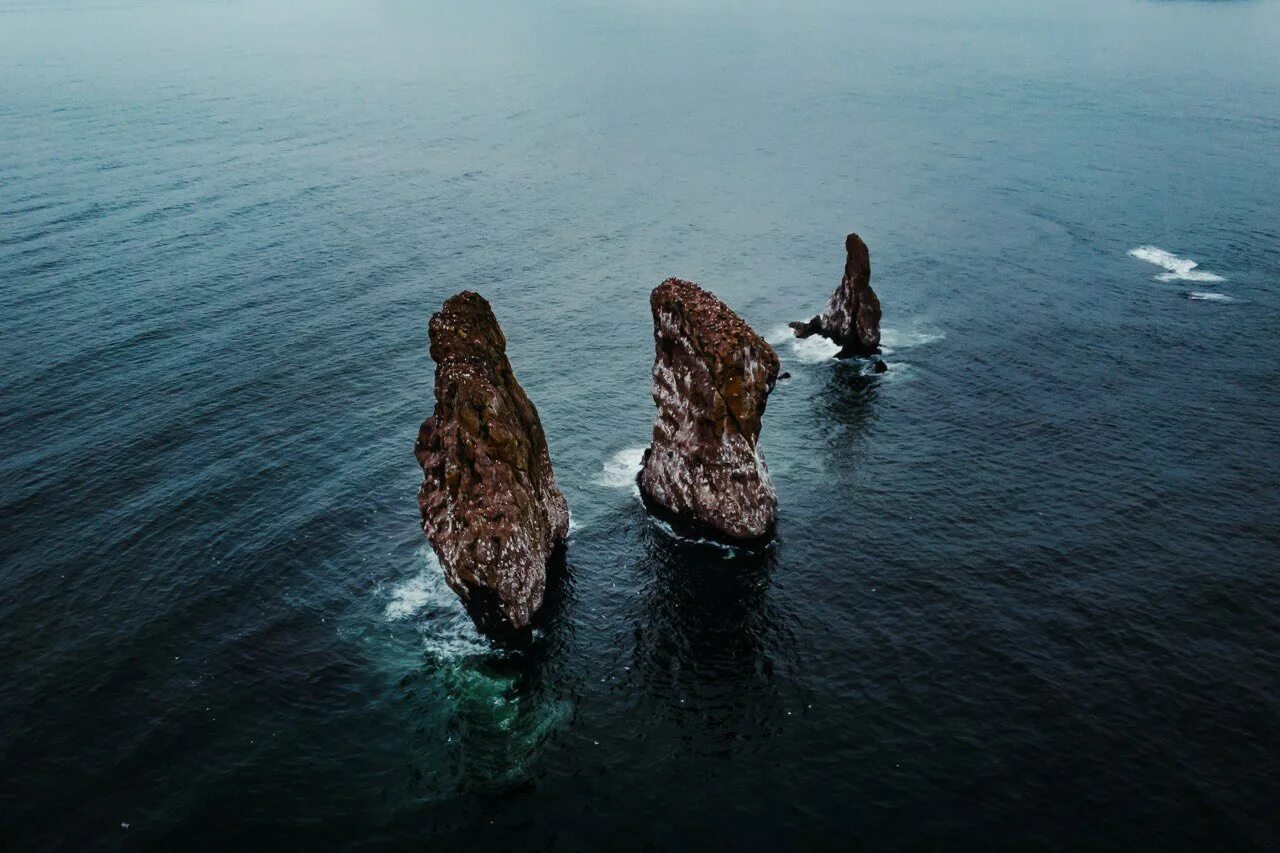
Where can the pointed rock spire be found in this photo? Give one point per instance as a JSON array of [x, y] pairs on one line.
[[852, 316], [489, 501]]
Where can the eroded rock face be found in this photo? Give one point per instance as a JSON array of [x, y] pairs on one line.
[[852, 316], [489, 501], [712, 375]]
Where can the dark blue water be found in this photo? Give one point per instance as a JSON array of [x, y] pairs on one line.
[[1025, 593]]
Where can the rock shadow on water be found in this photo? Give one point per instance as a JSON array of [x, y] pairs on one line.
[[850, 395], [709, 639]]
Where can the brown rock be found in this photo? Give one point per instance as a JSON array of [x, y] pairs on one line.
[[489, 501], [852, 316], [711, 377]]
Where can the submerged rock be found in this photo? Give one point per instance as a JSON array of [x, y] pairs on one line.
[[489, 501], [711, 377], [852, 316]]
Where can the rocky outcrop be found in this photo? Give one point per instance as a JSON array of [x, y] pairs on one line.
[[711, 377], [489, 501], [852, 316]]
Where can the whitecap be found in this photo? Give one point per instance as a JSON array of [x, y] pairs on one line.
[[621, 469], [1192, 275], [1201, 296], [1179, 269]]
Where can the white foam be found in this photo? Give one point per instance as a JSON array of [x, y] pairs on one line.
[[1179, 269], [1193, 275], [899, 371], [414, 592], [621, 469], [814, 350], [780, 336], [811, 350], [892, 340], [447, 630], [1160, 257], [817, 349], [1201, 296], [670, 531], [408, 597]]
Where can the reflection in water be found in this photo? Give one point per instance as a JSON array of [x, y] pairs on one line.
[[849, 395], [710, 637]]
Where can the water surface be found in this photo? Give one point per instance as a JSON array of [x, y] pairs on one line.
[[1025, 589]]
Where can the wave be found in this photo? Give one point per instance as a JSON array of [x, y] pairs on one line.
[[670, 532], [899, 371], [1193, 275], [892, 340], [817, 349], [413, 593], [779, 336], [621, 469], [447, 630], [1178, 269], [811, 350], [1201, 296]]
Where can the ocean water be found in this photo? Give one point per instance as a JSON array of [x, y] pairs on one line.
[[1025, 589]]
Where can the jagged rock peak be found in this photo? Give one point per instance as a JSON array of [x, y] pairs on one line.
[[852, 315]]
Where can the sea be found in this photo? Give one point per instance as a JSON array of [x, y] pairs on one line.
[[1025, 591]]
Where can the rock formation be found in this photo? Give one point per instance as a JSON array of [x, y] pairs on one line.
[[489, 501], [711, 377], [852, 316]]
